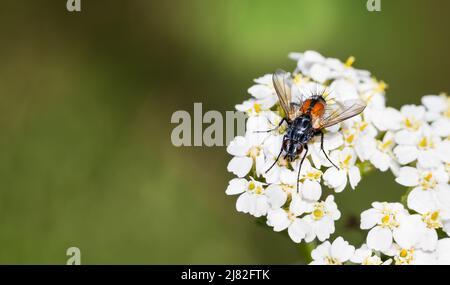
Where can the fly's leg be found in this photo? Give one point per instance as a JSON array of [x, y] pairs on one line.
[[301, 162], [268, 131], [323, 150], [278, 157]]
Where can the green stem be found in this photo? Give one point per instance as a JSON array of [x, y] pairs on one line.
[[305, 250]]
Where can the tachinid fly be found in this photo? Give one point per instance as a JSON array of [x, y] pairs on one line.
[[307, 118]]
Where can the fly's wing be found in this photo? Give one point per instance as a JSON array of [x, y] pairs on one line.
[[340, 111], [282, 81]]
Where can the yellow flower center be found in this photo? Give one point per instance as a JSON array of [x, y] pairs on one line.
[[257, 189], [314, 175], [346, 162], [384, 146], [319, 211], [432, 220], [291, 216], [428, 182], [405, 256], [372, 260], [253, 152], [332, 261], [298, 78], [403, 253], [257, 107], [388, 220], [411, 124], [349, 139], [381, 86], [350, 60], [385, 219], [425, 143]]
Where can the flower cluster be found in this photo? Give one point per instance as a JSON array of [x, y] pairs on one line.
[[413, 143]]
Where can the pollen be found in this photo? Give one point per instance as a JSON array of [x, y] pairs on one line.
[[257, 107], [432, 220], [253, 152], [332, 261], [298, 79], [403, 253], [314, 175], [349, 139], [388, 220], [425, 143], [381, 86], [411, 124], [385, 145], [350, 60], [428, 181], [345, 163], [251, 186], [319, 211]]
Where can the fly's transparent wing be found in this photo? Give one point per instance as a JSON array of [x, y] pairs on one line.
[[282, 81], [340, 111]]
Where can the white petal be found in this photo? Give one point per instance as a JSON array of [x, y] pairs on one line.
[[443, 251], [421, 201], [236, 186], [369, 218], [405, 154], [260, 206], [379, 238], [238, 146], [321, 251], [311, 190], [408, 176], [342, 250], [240, 166], [244, 203], [278, 219], [410, 232], [298, 229], [277, 197], [323, 228], [354, 176], [380, 160]]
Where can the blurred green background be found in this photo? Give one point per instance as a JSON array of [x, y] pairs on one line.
[[86, 100]]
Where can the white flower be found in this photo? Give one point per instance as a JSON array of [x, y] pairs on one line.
[[264, 91], [336, 253], [281, 219], [321, 218], [366, 256], [360, 135], [247, 151], [427, 184], [443, 252], [337, 178], [253, 199], [331, 141], [412, 256], [382, 156], [425, 147], [438, 106], [382, 220], [412, 232], [253, 107], [310, 177]]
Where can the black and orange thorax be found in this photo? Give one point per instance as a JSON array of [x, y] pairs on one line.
[[314, 107]]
